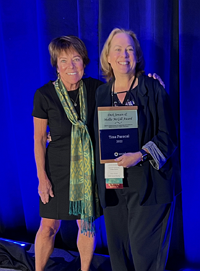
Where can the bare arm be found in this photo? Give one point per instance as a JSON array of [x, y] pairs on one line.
[[40, 138]]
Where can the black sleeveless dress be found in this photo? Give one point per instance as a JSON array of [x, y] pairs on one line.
[[47, 106]]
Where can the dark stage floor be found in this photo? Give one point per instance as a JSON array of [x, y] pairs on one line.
[[16, 257], [13, 256]]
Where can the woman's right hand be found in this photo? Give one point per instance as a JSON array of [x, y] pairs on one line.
[[45, 189], [129, 159]]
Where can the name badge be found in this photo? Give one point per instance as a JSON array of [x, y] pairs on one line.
[[114, 175]]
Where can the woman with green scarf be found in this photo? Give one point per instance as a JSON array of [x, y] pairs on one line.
[[66, 168]]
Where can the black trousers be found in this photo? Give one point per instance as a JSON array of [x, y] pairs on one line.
[[138, 236]]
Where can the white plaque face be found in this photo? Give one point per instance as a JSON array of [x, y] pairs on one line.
[[122, 119]]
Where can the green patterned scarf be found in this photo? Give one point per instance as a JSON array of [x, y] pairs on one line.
[[83, 195]]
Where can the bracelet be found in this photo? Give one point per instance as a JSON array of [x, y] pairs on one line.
[[144, 155]]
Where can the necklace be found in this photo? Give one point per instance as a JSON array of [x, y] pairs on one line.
[[113, 90], [75, 101]]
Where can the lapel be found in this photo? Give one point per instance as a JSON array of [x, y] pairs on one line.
[[142, 110]]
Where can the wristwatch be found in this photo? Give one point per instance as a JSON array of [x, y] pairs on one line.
[[145, 155]]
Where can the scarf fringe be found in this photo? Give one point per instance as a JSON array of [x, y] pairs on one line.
[[76, 207], [87, 223]]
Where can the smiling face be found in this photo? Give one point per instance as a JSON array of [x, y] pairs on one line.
[[122, 57], [71, 68]]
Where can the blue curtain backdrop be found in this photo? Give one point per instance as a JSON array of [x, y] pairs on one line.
[[169, 33]]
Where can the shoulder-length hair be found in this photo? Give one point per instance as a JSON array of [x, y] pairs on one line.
[[66, 43], [106, 67]]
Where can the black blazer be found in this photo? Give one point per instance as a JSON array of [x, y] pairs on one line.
[[155, 123]]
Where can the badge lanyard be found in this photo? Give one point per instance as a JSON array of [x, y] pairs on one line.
[[114, 174], [114, 103]]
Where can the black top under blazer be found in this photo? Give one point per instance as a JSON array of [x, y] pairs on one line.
[[156, 124]]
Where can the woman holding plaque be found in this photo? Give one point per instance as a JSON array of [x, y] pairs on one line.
[[139, 215]]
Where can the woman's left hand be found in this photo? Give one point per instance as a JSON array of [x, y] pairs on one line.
[[49, 137], [129, 159]]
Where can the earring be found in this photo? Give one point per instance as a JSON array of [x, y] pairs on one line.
[[58, 74]]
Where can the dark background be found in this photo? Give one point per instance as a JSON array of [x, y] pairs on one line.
[[169, 33]]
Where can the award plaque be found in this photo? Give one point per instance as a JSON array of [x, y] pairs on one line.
[[118, 131]]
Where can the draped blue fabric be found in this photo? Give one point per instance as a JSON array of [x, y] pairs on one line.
[[169, 33], [189, 81]]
